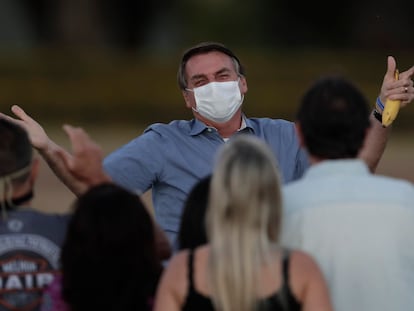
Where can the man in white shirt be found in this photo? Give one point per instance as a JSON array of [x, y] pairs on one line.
[[358, 226]]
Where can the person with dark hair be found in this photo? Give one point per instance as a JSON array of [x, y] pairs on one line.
[[358, 226], [192, 232], [170, 158], [30, 240], [109, 259], [332, 119]]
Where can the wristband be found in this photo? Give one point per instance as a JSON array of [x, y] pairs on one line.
[[377, 115], [380, 104]]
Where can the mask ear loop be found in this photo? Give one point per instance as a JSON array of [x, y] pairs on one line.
[[6, 189]]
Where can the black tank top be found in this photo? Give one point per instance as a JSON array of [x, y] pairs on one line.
[[282, 300]]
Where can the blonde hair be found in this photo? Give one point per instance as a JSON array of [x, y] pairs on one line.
[[243, 220]]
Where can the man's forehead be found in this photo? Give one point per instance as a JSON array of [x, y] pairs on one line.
[[209, 63]]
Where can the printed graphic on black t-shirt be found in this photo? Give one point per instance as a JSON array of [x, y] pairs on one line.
[[28, 263]]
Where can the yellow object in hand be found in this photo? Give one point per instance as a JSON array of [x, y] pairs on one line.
[[391, 109]]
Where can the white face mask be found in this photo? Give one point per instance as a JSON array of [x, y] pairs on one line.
[[218, 101]]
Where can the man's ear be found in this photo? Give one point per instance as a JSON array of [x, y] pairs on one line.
[[188, 99], [299, 134], [243, 85]]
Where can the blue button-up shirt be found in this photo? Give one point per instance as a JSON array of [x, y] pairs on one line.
[[171, 158]]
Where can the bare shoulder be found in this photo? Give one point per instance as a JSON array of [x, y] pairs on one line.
[[308, 283], [177, 264], [174, 276], [172, 288], [303, 261]]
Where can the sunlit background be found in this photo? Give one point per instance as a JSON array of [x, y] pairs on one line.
[[110, 66]]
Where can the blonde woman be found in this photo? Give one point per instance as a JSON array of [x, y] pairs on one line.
[[243, 268]]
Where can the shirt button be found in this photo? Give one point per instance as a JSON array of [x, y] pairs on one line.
[[209, 130]]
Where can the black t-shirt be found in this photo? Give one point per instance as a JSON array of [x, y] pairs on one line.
[[30, 244]]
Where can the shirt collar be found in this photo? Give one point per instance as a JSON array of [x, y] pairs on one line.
[[197, 126], [337, 167]]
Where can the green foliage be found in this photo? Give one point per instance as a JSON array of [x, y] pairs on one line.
[[142, 88]]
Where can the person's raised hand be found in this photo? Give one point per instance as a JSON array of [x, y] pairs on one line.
[[401, 89], [37, 134], [85, 162]]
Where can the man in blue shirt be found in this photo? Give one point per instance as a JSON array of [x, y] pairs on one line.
[[170, 158]]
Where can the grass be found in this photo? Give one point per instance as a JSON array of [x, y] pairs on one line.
[[94, 87]]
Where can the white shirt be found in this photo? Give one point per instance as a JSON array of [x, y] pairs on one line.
[[360, 229]]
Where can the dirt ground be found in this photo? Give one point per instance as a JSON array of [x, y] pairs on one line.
[[52, 196]]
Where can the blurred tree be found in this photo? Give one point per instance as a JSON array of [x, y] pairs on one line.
[[166, 24], [308, 23], [352, 23], [384, 25], [126, 21], [122, 24], [230, 21], [41, 14], [78, 23]]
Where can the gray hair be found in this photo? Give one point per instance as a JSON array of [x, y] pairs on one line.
[[203, 48]]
